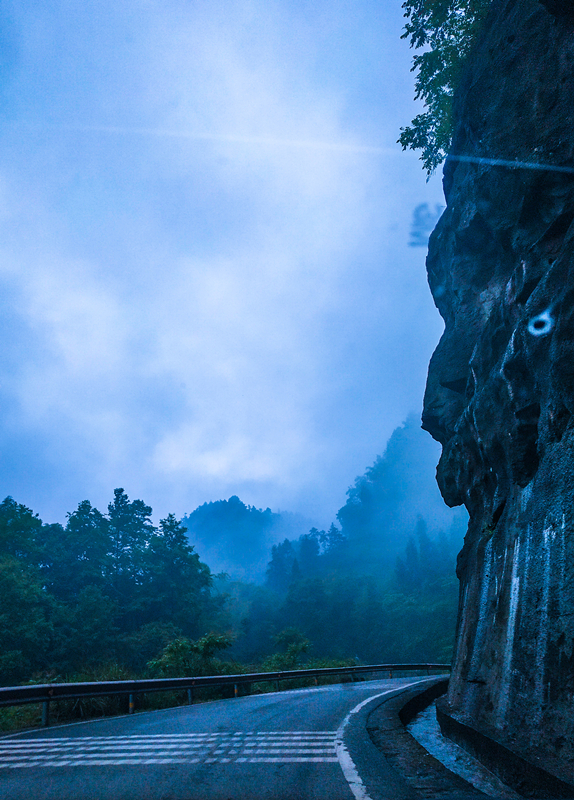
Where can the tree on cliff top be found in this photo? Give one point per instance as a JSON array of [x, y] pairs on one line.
[[447, 29]]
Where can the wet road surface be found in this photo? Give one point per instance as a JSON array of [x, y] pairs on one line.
[[306, 744]]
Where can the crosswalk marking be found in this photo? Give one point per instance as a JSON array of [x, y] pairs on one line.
[[251, 747]]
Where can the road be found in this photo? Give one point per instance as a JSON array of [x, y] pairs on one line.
[[306, 744]]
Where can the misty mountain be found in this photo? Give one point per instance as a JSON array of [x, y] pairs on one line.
[[382, 586], [384, 505], [381, 512], [236, 539]]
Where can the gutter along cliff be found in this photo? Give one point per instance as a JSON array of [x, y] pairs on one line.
[[500, 391]]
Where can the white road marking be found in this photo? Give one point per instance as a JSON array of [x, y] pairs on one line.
[[348, 766], [287, 760], [193, 748]]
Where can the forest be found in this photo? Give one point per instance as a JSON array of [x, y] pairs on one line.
[[111, 594]]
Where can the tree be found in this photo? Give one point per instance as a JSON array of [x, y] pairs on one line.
[[335, 546], [76, 556], [176, 584], [384, 503], [233, 537], [19, 527], [176, 660], [290, 645], [308, 559], [130, 531], [25, 627], [136, 649], [184, 657], [281, 567], [448, 30], [85, 631]]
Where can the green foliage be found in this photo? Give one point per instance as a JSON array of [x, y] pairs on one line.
[[25, 626], [18, 529], [175, 584], [129, 531], [142, 645], [86, 631], [406, 614], [102, 588], [447, 30], [282, 566], [78, 555], [364, 590], [185, 658], [208, 645], [291, 645], [176, 661]]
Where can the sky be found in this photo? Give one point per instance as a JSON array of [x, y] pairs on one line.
[[207, 287]]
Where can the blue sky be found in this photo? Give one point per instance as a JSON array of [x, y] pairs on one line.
[[206, 283]]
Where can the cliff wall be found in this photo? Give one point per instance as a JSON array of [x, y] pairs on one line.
[[500, 392]]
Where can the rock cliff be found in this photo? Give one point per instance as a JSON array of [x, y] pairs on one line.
[[500, 392]]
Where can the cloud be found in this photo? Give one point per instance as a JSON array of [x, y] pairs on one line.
[[211, 288]]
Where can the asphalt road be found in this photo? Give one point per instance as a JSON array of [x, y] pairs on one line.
[[307, 744]]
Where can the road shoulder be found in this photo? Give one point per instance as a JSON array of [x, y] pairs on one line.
[[422, 774], [388, 762]]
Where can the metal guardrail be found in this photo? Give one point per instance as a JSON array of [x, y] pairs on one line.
[[46, 693]]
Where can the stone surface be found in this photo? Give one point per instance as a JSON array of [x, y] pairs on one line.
[[560, 8], [500, 392]]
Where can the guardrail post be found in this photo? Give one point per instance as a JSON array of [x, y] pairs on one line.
[[131, 704], [316, 681], [235, 690], [45, 713], [190, 697], [390, 673], [276, 686]]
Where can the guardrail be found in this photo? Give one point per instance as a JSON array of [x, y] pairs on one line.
[[46, 693]]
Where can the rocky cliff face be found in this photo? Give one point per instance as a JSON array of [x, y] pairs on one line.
[[500, 392]]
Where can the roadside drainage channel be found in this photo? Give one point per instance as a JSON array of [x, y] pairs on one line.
[[530, 774], [426, 730], [432, 775], [424, 775]]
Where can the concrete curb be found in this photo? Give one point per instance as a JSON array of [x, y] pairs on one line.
[[379, 780], [516, 771], [425, 776], [391, 763]]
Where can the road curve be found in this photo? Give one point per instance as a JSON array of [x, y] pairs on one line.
[[306, 744]]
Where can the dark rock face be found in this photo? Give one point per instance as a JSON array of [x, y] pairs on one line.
[[500, 391], [560, 8]]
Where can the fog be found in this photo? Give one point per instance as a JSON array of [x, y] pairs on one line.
[[383, 509], [209, 283]]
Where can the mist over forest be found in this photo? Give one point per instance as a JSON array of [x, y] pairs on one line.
[[381, 512], [111, 593], [236, 539]]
